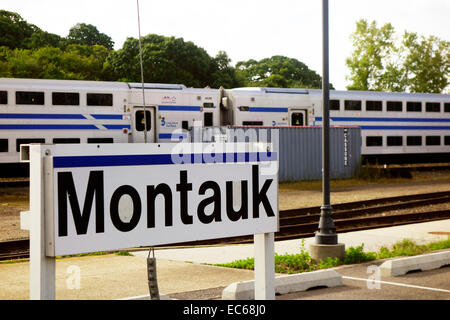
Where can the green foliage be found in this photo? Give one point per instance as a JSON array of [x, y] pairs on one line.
[[302, 262], [357, 255], [172, 60], [278, 71], [410, 248], [14, 30], [87, 34], [78, 62], [379, 63], [87, 54]]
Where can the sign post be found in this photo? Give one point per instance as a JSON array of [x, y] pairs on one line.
[[88, 198]]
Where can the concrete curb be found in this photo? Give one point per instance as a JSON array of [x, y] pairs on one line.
[[398, 267], [245, 290]]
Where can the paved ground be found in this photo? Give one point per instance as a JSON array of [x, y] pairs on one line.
[[359, 284], [181, 274]]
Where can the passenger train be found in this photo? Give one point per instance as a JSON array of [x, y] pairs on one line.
[[394, 126]]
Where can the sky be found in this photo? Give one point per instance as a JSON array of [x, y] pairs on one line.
[[244, 29]]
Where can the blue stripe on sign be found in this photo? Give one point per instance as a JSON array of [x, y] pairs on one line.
[[40, 116], [48, 126], [160, 159], [373, 119], [263, 109], [172, 136], [107, 116], [179, 108], [405, 127], [116, 126]]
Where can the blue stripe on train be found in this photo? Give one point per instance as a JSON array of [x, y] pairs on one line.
[[179, 108], [373, 119], [176, 136], [40, 116], [62, 126], [59, 116], [264, 109]]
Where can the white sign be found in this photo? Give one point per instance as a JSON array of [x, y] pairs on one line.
[[108, 197]]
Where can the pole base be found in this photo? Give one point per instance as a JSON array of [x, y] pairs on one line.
[[326, 238], [323, 251]]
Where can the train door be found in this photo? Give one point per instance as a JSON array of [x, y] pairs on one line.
[[298, 118], [139, 124]]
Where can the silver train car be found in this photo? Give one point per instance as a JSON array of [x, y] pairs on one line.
[[395, 127], [63, 111]]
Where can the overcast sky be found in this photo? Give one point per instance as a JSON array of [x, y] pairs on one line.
[[244, 29]]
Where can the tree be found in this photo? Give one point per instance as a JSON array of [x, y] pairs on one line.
[[372, 46], [224, 74], [87, 34], [165, 59], [14, 30], [78, 62], [427, 63], [278, 71], [379, 63]]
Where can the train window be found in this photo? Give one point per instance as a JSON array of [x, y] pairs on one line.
[[3, 145], [208, 105], [26, 141], [66, 140], [413, 106], [414, 140], [65, 98], [393, 141], [252, 123], [447, 140], [374, 105], [28, 97], [100, 140], [243, 108], [185, 125], [374, 141], [352, 105], [334, 104], [446, 107], [394, 106], [433, 140], [140, 121], [432, 107], [3, 97], [100, 99], [208, 119]]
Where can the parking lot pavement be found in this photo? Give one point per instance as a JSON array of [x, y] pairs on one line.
[[362, 282]]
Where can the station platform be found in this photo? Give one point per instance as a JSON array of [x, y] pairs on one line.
[[187, 273]]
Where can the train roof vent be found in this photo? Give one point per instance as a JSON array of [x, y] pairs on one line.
[[157, 86], [286, 90]]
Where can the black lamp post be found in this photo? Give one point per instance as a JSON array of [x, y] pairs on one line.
[[327, 232]]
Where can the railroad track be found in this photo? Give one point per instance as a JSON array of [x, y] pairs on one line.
[[303, 222]]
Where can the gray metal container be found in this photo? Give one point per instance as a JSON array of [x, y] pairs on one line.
[[299, 148]]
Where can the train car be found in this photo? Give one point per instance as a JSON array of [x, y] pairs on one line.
[[395, 127], [171, 110], [268, 107], [66, 111]]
